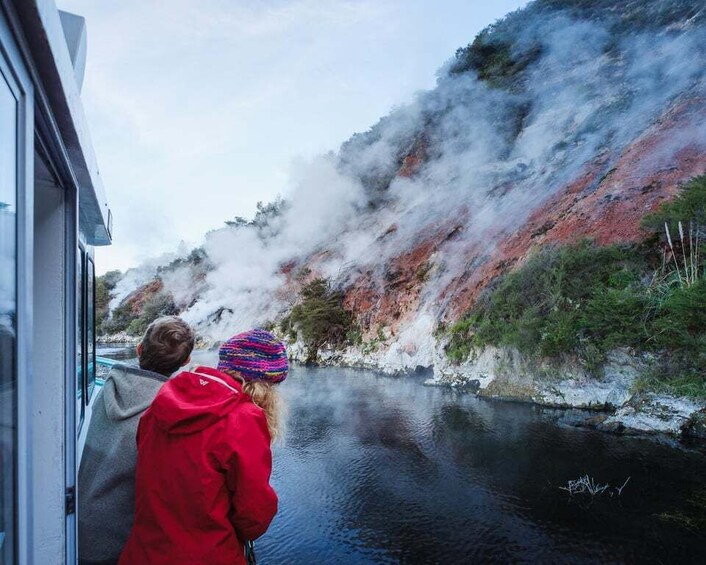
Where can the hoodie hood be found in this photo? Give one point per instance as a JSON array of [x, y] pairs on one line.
[[129, 391], [194, 400]]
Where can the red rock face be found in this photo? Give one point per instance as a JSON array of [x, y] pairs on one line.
[[414, 159], [643, 177], [605, 202], [605, 207], [641, 180], [397, 298], [137, 299]]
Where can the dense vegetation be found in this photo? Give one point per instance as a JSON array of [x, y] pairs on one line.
[[626, 15], [501, 51], [319, 318], [586, 300], [493, 59], [139, 310]]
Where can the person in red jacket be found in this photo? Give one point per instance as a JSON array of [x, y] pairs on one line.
[[204, 460]]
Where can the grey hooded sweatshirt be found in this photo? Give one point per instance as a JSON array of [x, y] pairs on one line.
[[106, 478]]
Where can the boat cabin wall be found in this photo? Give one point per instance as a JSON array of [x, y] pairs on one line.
[[52, 212]]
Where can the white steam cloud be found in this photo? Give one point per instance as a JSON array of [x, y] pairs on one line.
[[491, 155], [247, 274]]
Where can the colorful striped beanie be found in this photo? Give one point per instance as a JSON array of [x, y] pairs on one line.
[[256, 355]]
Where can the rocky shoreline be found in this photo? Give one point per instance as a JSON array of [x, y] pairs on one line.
[[503, 374], [121, 338]]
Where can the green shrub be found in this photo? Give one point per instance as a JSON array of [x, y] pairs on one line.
[[161, 304], [558, 301], [286, 327], [126, 318], [119, 320], [681, 320], [320, 318], [617, 317], [105, 284], [666, 377], [679, 300], [493, 59], [423, 272], [137, 327], [688, 206], [680, 329], [459, 348], [585, 301], [354, 335]]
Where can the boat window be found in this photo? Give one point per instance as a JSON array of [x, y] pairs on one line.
[[90, 329], [80, 338], [8, 318]]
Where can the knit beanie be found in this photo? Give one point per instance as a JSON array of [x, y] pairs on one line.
[[256, 355]]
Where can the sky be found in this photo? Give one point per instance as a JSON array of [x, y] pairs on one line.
[[198, 109]]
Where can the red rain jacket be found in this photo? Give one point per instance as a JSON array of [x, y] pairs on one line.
[[203, 469]]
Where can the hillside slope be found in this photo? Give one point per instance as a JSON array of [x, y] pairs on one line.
[[569, 119]]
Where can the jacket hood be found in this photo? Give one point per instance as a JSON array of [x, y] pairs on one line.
[[194, 400], [129, 391]]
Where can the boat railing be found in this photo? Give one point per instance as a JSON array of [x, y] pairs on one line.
[[103, 366]]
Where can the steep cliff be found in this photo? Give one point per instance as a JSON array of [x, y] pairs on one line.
[[567, 120]]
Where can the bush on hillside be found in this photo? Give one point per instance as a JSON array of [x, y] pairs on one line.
[[105, 284], [125, 318], [319, 318], [156, 306], [554, 304], [493, 59], [688, 206], [680, 329], [586, 300]]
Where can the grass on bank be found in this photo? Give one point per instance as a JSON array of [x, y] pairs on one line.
[[586, 300]]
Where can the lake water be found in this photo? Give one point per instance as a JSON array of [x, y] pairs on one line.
[[376, 469]]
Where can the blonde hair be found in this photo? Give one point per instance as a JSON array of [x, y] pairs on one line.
[[267, 397]]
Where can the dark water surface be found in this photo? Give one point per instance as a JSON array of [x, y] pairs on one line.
[[377, 469]]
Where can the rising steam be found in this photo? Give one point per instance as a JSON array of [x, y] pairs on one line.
[[489, 154]]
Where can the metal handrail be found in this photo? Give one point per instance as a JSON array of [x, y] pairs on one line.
[[106, 361]]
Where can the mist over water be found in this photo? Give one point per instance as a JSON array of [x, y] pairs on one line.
[[383, 470]]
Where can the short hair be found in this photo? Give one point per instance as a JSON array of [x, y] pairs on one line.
[[166, 345]]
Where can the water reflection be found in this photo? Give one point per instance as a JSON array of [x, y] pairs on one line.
[[383, 470]]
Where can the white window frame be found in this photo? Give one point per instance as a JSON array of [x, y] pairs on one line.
[[15, 73]]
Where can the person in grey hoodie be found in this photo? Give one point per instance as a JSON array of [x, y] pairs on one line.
[[106, 478]]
